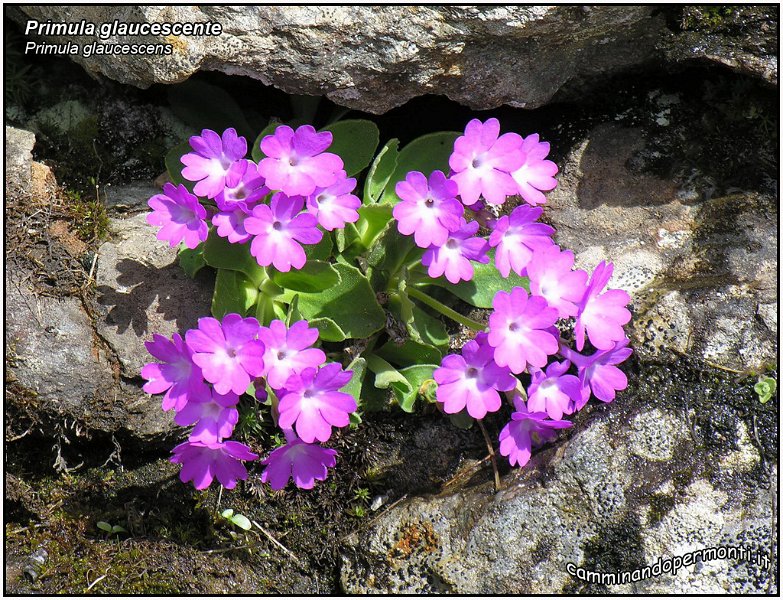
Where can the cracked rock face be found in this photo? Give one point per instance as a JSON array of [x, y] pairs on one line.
[[377, 58]]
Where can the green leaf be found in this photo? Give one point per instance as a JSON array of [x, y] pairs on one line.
[[256, 152], [346, 236], [241, 521], [409, 352], [234, 293], [228, 513], [104, 526], [191, 260], [174, 165], [487, 281], [320, 251], [354, 387], [418, 376], [293, 312], [425, 154], [206, 106], [355, 141], [314, 276], [222, 254], [348, 309], [461, 419], [421, 327], [381, 170], [372, 220], [118, 529], [765, 388]]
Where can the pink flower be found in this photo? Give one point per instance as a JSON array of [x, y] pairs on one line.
[[180, 216], [482, 162], [554, 392], [213, 414], [229, 354], [178, 375], [598, 373], [334, 206], [518, 330], [231, 225], [519, 435], [244, 186], [202, 462], [535, 173], [516, 237], [297, 460], [287, 351], [314, 403], [429, 209], [551, 277], [453, 258], [472, 380], [602, 315], [278, 228], [212, 159], [296, 163]]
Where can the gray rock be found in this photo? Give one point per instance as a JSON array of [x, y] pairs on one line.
[[142, 290], [376, 58], [18, 156], [697, 272]]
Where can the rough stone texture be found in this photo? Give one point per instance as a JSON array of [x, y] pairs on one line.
[[632, 486], [142, 290], [376, 58], [18, 156], [699, 272]]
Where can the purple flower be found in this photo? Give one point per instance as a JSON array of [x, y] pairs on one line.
[[517, 330], [551, 277], [244, 186], [518, 436], [202, 462], [180, 215], [313, 402], [482, 162], [334, 206], [453, 258], [598, 373], [535, 173], [472, 380], [214, 416], [231, 225], [429, 209], [554, 392], [228, 354], [278, 228], [298, 460], [178, 376], [602, 315], [212, 159], [296, 163], [287, 351], [516, 237]]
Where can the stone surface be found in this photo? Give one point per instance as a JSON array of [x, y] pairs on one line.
[[18, 156], [633, 484], [697, 271], [142, 290], [376, 58]]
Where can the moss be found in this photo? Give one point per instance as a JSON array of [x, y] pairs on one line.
[[89, 215], [660, 505]]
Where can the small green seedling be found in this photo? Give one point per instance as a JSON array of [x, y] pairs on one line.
[[111, 529], [240, 521], [765, 388]]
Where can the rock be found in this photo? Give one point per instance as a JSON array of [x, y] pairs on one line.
[[18, 156], [142, 290], [634, 484], [697, 272], [376, 58]]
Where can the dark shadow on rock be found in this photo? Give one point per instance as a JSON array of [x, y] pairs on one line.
[[145, 284]]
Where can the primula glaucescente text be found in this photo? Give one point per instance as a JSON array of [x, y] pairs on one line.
[[310, 267]]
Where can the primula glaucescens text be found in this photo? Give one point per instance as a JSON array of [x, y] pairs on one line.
[[305, 262]]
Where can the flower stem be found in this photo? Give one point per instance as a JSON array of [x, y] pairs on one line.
[[445, 310], [492, 456]]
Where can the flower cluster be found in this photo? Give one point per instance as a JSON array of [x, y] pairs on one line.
[[204, 375], [276, 205], [523, 335]]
